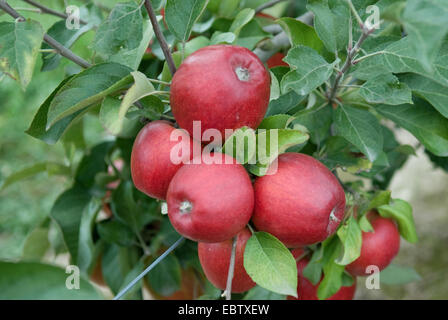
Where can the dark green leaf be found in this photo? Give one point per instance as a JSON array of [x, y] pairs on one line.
[[181, 15], [165, 278], [398, 275], [386, 89]]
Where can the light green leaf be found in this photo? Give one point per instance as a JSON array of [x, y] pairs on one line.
[[181, 15], [36, 245], [351, 237], [87, 88], [333, 272], [300, 33], [386, 89], [270, 264], [37, 281], [279, 121], [310, 70], [222, 37], [401, 211], [18, 57], [241, 19], [425, 123], [241, 145], [259, 293], [361, 128]]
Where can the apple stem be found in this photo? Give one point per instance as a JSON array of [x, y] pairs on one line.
[[228, 291]]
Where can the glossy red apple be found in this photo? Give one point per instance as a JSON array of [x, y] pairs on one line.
[[151, 165], [301, 203], [210, 202], [223, 86], [379, 247], [307, 291], [215, 261]]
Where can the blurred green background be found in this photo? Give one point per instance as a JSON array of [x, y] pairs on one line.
[[25, 205]]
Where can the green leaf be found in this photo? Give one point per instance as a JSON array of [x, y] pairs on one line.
[[259, 293], [386, 89], [134, 293], [121, 31], [37, 281], [241, 19], [333, 272], [310, 70], [275, 87], [222, 37], [87, 88], [430, 90], [251, 35], [141, 88], [284, 103], [351, 237], [27, 173], [66, 37], [38, 128], [279, 121], [114, 231], [313, 270], [331, 22], [86, 248], [241, 145], [126, 209], [300, 33], [401, 211], [317, 120], [181, 15], [67, 212], [425, 24], [380, 198], [272, 143], [91, 164], [425, 123], [165, 279], [398, 275], [270, 264], [361, 128], [18, 57], [36, 244]]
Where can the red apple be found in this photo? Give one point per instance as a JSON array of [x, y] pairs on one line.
[[151, 166], [210, 202], [223, 86], [307, 291], [276, 61], [301, 203], [215, 261], [378, 247]]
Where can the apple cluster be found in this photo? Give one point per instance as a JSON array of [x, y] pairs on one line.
[[211, 202]]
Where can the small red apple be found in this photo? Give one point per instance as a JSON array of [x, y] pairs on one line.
[[307, 291], [210, 202], [151, 165], [223, 86], [215, 261], [378, 247], [276, 61], [301, 203]]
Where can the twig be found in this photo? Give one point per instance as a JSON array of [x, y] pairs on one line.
[[160, 37], [231, 269], [44, 9], [348, 62], [267, 5], [151, 266], [63, 51]]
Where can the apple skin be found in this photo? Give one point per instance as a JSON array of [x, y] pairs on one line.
[[219, 199], [307, 291], [296, 203], [151, 166], [215, 261], [206, 88], [276, 61], [379, 248]]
